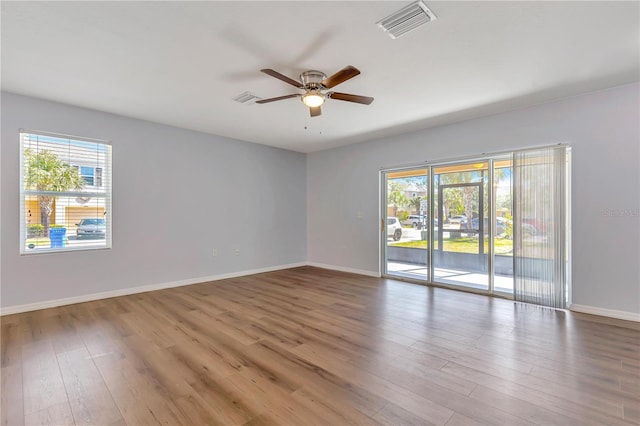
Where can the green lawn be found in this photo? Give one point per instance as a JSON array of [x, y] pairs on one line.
[[463, 245]]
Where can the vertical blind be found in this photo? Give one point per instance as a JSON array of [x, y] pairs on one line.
[[65, 193], [541, 264]]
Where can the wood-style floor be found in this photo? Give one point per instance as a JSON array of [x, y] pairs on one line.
[[309, 346]]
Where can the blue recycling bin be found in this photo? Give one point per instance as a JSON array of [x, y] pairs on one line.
[[58, 237]]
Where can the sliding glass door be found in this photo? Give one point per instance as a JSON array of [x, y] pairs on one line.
[[405, 224], [454, 224], [460, 257]]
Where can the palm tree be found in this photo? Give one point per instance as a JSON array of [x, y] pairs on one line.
[[416, 202], [44, 171], [395, 196]]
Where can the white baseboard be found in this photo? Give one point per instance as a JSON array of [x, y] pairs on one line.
[[9, 310], [611, 313], [345, 269]]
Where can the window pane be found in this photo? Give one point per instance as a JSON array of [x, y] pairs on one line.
[[66, 194], [87, 174], [407, 234], [460, 256]]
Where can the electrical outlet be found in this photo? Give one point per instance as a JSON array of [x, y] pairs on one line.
[[237, 252], [215, 252]]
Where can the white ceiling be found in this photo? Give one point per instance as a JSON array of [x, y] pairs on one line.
[[182, 63]]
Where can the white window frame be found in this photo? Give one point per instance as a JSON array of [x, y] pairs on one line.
[[106, 193]]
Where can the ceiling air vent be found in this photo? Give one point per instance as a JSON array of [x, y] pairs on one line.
[[246, 98], [406, 19]]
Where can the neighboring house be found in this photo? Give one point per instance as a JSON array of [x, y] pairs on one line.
[[410, 191], [414, 191]]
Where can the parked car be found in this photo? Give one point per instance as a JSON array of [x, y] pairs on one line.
[[539, 226], [417, 221], [501, 226], [528, 229], [394, 228], [91, 227], [458, 220]]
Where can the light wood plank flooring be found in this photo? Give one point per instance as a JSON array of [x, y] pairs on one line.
[[308, 346]]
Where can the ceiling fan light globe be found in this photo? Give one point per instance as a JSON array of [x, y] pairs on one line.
[[313, 100]]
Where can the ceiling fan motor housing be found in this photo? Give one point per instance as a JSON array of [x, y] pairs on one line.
[[312, 79]]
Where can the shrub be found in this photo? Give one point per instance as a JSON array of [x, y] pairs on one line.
[[403, 215], [56, 226], [35, 230], [509, 228]]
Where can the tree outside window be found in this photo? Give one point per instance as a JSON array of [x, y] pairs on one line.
[[44, 171]]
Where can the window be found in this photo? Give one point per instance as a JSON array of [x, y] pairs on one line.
[[65, 193], [92, 176], [87, 174]]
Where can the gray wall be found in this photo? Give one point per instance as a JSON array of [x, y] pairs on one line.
[[177, 194], [603, 131], [228, 194]]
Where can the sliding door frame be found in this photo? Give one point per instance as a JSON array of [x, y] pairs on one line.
[[431, 234], [384, 173], [490, 158]]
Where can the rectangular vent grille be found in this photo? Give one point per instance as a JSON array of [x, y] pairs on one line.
[[406, 19], [246, 98]]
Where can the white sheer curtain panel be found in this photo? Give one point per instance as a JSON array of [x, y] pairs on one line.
[[541, 231]]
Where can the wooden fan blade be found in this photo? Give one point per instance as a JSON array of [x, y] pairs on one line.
[[279, 98], [350, 98], [284, 78], [341, 76], [315, 111]]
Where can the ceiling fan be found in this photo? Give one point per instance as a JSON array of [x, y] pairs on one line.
[[315, 83]]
